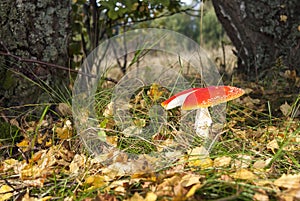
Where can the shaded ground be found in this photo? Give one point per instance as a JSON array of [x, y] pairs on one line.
[[256, 158]]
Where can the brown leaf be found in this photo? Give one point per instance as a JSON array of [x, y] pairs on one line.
[[135, 197], [285, 109], [78, 164], [260, 197], [190, 179], [223, 161], [105, 197], [260, 164], [288, 181], [63, 109], [291, 194], [273, 145]]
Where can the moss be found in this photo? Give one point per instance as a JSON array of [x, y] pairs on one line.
[[9, 81]]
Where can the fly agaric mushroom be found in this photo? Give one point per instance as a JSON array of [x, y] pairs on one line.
[[201, 99]]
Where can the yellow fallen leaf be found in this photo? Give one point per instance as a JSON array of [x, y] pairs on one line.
[[154, 93], [63, 133], [112, 140], [151, 196], [244, 174], [288, 181], [49, 143], [5, 192], [199, 157], [24, 145], [96, 181], [283, 18], [193, 190]]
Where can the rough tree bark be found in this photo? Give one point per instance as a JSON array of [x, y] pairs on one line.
[[37, 30], [264, 32]]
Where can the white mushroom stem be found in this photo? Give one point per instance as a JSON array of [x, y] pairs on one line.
[[203, 122]]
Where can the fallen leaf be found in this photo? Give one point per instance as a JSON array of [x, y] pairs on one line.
[[244, 174], [223, 161], [78, 164], [63, 133], [260, 164], [273, 145], [9, 164], [103, 197], [27, 197], [291, 194], [193, 190], [285, 109], [109, 110], [135, 197], [154, 93], [288, 181], [190, 179], [24, 145], [132, 131], [112, 140], [199, 157], [39, 182], [242, 161], [6, 192], [96, 181], [151, 196], [63, 109], [260, 197], [250, 102], [283, 18]]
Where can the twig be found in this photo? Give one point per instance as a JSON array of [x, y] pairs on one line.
[[7, 53], [43, 63]]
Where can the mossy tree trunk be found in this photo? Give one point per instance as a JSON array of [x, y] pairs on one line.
[[36, 30], [265, 33]]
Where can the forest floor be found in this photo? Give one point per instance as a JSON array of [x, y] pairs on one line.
[[257, 156]]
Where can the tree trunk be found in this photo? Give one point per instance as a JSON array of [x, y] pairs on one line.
[[33, 30], [265, 33]]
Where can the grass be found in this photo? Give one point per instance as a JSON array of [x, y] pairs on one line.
[[253, 133]]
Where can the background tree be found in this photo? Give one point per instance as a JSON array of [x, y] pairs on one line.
[[35, 44], [265, 33], [95, 21], [33, 30]]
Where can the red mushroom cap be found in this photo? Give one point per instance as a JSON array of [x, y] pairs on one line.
[[195, 98]]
